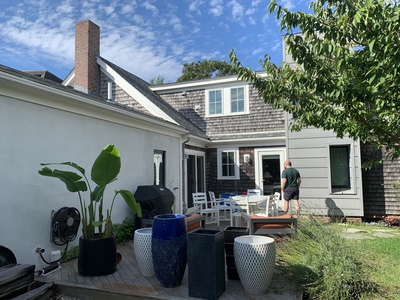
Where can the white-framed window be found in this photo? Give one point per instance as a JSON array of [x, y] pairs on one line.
[[215, 102], [159, 167], [230, 100], [228, 163], [237, 100], [341, 168]]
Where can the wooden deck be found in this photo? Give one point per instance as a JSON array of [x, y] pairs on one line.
[[128, 283]]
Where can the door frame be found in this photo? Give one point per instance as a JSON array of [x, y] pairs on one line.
[[258, 167], [196, 153]]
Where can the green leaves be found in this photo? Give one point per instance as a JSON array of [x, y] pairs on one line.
[[206, 69], [106, 166], [346, 57], [104, 171], [131, 201], [71, 179]]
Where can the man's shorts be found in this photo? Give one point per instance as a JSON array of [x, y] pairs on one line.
[[291, 193]]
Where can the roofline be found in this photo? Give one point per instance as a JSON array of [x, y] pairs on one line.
[[133, 92], [68, 80], [239, 142], [38, 84]]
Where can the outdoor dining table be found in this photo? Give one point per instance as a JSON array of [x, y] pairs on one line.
[[244, 202]]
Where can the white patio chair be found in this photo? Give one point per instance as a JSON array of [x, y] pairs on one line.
[[272, 207], [237, 209], [269, 207], [204, 207], [253, 192], [221, 206]]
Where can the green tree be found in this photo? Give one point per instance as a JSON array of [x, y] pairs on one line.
[[206, 69], [347, 74], [157, 80]]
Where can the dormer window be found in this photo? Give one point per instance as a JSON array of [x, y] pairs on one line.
[[227, 101], [215, 102]]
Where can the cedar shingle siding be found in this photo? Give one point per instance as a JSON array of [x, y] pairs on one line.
[[119, 95], [380, 197], [261, 119]]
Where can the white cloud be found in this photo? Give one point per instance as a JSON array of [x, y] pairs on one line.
[[147, 38], [250, 11], [277, 45], [194, 6], [237, 10], [65, 8], [108, 9], [216, 7], [289, 4], [176, 23], [255, 3], [258, 51], [149, 6]]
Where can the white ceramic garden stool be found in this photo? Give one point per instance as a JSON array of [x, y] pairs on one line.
[[255, 262], [142, 250]]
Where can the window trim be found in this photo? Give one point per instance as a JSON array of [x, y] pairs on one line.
[[236, 162], [352, 170], [226, 100]]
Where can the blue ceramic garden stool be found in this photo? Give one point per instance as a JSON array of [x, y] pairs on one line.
[[169, 248]]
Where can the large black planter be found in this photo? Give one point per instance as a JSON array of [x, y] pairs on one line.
[[230, 233], [169, 248], [206, 268], [97, 257]]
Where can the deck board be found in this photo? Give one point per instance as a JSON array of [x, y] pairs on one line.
[[128, 282]]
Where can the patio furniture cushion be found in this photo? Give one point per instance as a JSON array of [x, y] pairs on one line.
[[194, 221], [271, 225]]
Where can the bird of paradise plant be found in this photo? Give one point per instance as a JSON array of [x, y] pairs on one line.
[[104, 171]]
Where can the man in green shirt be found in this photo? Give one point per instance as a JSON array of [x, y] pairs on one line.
[[290, 185]]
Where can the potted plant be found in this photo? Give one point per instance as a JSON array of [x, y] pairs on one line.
[[96, 228]]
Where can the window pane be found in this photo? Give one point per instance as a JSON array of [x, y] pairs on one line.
[[224, 171], [200, 174], [159, 171], [224, 158], [241, 93], [340, 166], [218, 108], [215, 102], [228, 163], [234, 95], [240, 106], [231, 170], [237, 100], [231, 157]]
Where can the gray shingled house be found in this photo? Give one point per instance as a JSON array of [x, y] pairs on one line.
[[206, 135]]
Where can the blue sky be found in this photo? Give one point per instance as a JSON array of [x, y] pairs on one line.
[[147, 38]]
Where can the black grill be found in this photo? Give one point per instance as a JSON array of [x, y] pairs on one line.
[[154, 200]]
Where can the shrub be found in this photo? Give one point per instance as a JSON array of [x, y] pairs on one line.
[[70, 254], [124, 231], [392, 220], [323, 263]]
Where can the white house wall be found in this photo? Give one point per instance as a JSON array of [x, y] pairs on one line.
[[32, 133], [308, 151]]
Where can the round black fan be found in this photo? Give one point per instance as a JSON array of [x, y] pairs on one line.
[[65, 225]]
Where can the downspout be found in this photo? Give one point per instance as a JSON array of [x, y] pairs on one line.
[[184, 208]]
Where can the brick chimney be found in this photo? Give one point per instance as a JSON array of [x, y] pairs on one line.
[[87, 47]]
